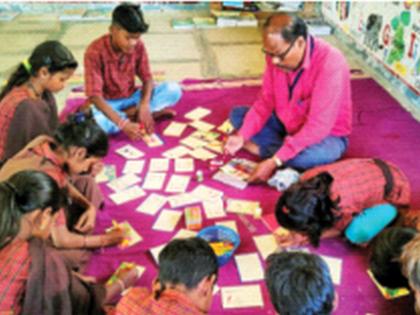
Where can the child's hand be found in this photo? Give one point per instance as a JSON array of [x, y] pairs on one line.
[[87, 220], [96, 168], [132, 130], [145, 117], [233, 144], [291, 239], [114, 237]]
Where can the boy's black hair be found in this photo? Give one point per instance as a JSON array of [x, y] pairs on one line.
[[386, 250], [130, 18], [51, 54], [299, 284], [293, 31], [186, 261], [81, 130], [307, 207]]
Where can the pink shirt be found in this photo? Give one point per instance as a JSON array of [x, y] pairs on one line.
[[319, 106]]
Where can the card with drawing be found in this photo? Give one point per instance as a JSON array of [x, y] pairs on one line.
[[167, 220], [201, 125], [133, 166], [178, 183], [123, 182], [154, 181], [242, 296], [249, 267], [214, 208], [158, 165], [123, 196], [152, 204], [197, 113], [152, 140], [176, 152], [108, 173], [175, 129], [129, 152]]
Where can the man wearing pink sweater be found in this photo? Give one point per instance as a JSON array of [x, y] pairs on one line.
[[303, 114]]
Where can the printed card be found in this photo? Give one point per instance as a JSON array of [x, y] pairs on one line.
[[129, 194], [207, 136], [266, 244], [201, 125], [197, 113], [242, 206], [108, 173], [158, 165], [123, 182], [204, 192], [242, 296], [125, 266], [226, 127], [167, 220], [230, 180], [184, 165], [152, 140], [183, 200], [131, 237], [202, 154], [214, 208], [129, 152], [152, 204], [335, 266], [215, 146], [175, 129], [154, 181], [193, 142], [178, 184], [249, 267], [176, 152], [229, 224], [133, 166]]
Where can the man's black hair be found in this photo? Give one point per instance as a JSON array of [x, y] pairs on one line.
[[299, 284], [293, 31], [130, 18]]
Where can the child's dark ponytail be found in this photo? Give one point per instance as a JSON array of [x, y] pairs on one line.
[[307, 207], [81, 130], [23, 193], [51, 54]]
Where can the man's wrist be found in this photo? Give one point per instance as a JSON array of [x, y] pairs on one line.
[[277, 161]]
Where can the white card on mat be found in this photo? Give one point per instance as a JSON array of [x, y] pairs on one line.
[[213, 208], [158, 165], [335, 266], [154, 181], [193, 143], [266, 244], [176, 152], [123, 182], [202, 154], [133, 166], [175, 129], [123, 196], [249, 267], [183, 200], [204, 192], [229, 223], [167, 220], [129, 152], [178, 184], [152, 204], [197, 113], [184, 165], [201, 125], [152, 140], [242, 296]]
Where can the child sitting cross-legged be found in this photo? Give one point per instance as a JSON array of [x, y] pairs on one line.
[[184, 286]]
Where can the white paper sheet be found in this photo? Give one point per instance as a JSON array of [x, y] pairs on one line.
[[167, 220], [152, 204], [249, 267]]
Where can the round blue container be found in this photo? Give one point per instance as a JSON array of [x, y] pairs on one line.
[[219, 233]]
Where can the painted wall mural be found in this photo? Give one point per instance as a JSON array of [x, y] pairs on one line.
[[388, 31]]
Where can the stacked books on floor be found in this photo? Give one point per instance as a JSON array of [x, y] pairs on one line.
[[234, 18], [195, 22]]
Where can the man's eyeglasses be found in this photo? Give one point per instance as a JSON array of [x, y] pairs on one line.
[[282, 55]]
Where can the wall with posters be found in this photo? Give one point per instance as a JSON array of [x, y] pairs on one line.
[[388, 33]]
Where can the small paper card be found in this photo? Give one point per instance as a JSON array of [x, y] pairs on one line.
[[202, 154], [335, 266], [183, 200], [266, 244], [242, 206], [131, 237], [215, 146], [167, 220], [158, 165], [184, 165], [229, 223], [152, 140], [133, 166], [242, 296], [176, 152], [154, 181], [129, 194], [226, 127], [193, 143], [125, 266], [249, 267], [201, 125], [204, 192], [152, 204], [230, 180], [129, 152], [178, 184], [213, 208], [207, 136], [175, 129], [123, 182], [108, 173], [197, 113]]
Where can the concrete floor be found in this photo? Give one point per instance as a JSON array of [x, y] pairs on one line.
[[174, 54]]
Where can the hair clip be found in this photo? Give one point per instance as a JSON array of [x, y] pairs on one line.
[[27, 65]]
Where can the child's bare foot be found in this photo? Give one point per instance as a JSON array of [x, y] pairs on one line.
[[166, 113]]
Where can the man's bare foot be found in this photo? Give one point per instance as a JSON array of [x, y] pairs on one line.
[[166, 113]]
